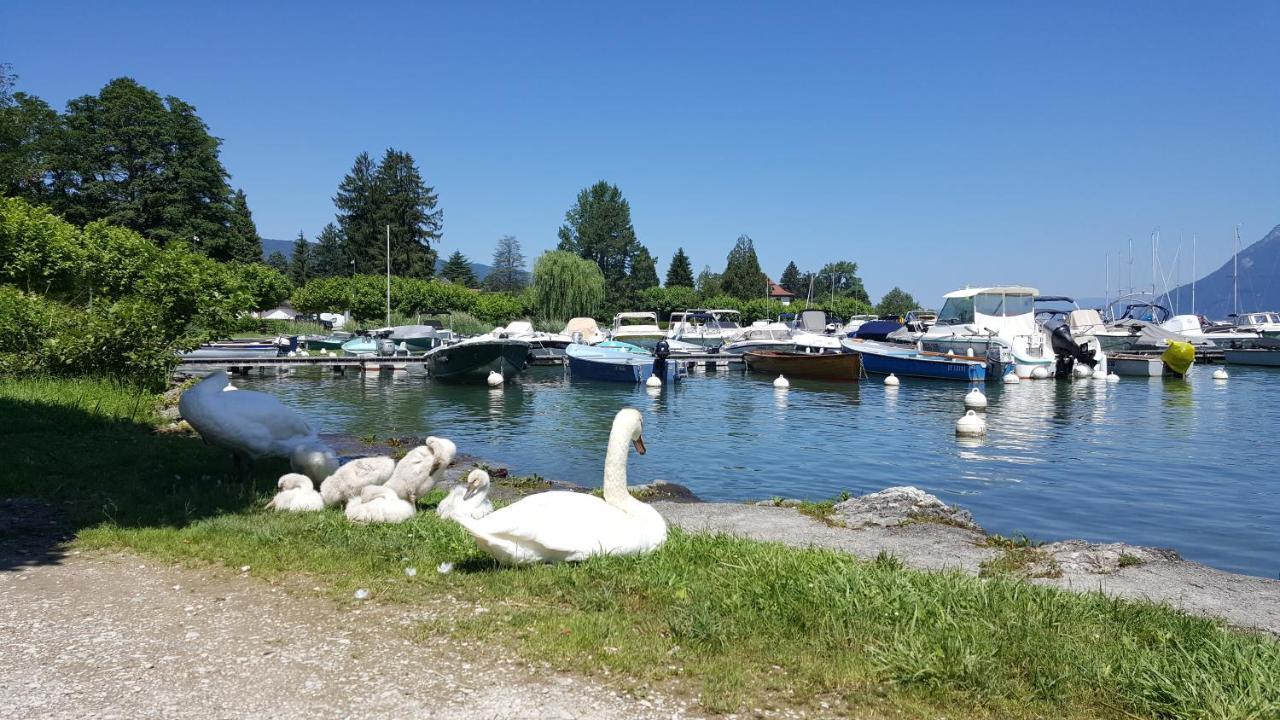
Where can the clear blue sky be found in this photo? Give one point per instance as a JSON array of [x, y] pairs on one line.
[[935, 144]]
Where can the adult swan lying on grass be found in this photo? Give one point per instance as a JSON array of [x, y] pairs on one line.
[[563, 526], [252, 425]]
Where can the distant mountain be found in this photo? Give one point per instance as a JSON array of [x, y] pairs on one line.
[[285, 247], [1259, 283]]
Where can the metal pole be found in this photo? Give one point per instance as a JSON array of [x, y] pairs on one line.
[[1193, 273], [388, 276]]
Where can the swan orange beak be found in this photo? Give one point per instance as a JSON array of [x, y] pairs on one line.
[[639, 443]]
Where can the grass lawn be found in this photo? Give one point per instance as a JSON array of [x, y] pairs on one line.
[[743, 624]]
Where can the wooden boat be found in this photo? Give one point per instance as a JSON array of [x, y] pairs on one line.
[[471, 361], [884, 359], [618, 362], [818, 366]]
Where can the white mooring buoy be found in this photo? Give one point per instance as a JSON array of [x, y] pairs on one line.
[[1099, 374], [892, 380], [494, 379], [1040, 373], [1082, 371], [971, 424], [1011, 378], [1112, 377], [781, 383], [1220, 374], [653, 381], [975, 399]]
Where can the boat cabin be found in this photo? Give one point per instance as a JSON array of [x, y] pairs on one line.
[[1005, 311]]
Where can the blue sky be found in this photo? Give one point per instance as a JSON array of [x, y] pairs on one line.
[[935, 144]]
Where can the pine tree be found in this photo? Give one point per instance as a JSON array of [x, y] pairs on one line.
[[302, 261], [357, 206], [790, 280], [644, 271], [508, 273], [742, 277], [457, 270], [680, 272], [405, 203], [278, 261], [329, 257], [244, 244], [598, 228]]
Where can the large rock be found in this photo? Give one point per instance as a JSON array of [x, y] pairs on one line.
[[1078, 556], [898, 506]]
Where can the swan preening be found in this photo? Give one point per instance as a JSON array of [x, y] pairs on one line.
[[350, 479], [378, 504], [470, 499], [297, 494], [252, 425], [568, 526]]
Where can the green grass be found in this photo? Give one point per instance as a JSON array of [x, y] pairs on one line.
[[741, 624]]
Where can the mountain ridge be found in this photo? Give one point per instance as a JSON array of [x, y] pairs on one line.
[[1259, 283]]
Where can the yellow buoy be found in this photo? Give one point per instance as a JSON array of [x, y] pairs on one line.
[[1179, 357]]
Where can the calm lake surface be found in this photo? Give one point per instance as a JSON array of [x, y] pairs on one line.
[[1183, 464]]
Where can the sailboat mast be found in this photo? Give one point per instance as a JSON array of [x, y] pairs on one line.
[[388, 276], [1235, 274], [1193, 273]]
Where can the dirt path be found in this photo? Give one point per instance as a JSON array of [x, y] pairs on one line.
[[112, 635]]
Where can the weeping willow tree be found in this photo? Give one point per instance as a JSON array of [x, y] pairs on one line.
[[566, 286]]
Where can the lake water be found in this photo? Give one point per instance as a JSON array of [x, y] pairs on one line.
[[1183, 464]]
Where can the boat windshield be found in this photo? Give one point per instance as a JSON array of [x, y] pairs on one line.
[[956, 311], [1003, 305], [629, 321]]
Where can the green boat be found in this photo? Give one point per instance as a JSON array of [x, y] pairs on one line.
[[471, 361], [326, 342]]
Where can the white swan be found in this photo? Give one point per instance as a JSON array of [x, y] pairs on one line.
[[412, 477], [470, 499], [251, 425], [350, 479], [445, 451], [378, 504], [567, 526], [297, 494]]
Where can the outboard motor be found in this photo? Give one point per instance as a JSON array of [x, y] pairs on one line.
[[661, 352], [1066, 349], [386, 347]]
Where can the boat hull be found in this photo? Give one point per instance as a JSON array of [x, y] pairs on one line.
[[471, 362], [616, 365], [747, 346], [817, 366], [1135, 365], [910, 363], [1266, 357]]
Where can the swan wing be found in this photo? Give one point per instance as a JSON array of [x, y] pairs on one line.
[[556, 526]]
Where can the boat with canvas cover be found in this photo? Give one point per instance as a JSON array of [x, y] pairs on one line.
[[905, 361], [845, 366]]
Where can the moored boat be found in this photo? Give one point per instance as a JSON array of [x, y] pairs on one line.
[[637, 328], [471, 360], [619, 362], [1265, 356], [885, 359], [707, 328], [1175, 361], [816, 366]]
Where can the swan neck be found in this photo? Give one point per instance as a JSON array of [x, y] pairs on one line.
[[615, 467]]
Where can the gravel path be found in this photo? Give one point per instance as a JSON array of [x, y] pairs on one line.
[[114, 636]]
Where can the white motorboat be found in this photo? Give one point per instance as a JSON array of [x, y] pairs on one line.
[[811, 333], [1267, 323], [708, 328], [762, 335], [544, 348], [584, 330], [637, 328], [997, 323]]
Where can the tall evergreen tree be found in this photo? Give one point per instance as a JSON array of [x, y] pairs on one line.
[[244, 243], [357, 209], [329, 258], [598, 228], [404, 202], [278, 261], [149, 164], [644, 271], [708, 283], [790, 280], [508, 273], [302, 262], [680, 272], [742, 277], [30, 134], [457, 270]]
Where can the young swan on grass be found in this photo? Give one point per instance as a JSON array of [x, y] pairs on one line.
[[562, 526], [470, 499], [412, 477], [297, 494], [378, 504], [351, 478]]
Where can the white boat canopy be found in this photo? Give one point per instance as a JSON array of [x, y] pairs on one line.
[[997, 290]]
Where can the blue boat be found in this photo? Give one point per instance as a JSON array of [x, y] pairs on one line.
[[884, 359], [617, 362]]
